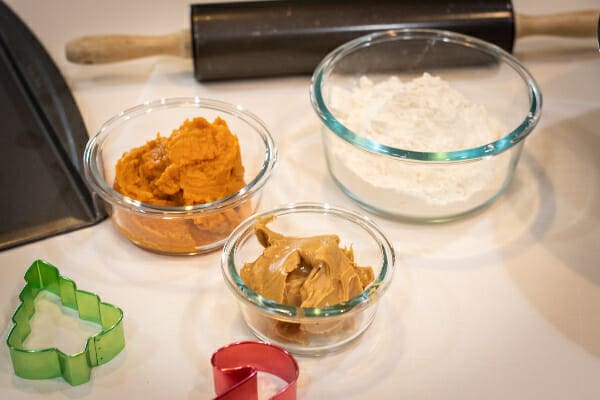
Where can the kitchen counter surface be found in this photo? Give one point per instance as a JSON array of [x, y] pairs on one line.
[[504, 304]]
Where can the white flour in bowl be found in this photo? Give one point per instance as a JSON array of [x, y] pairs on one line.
[[424, 114]]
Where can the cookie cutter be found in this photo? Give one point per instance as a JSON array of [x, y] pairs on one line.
[[51, 362], [236, 366]]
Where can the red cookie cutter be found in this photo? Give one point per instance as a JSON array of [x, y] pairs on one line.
[[236, 366]]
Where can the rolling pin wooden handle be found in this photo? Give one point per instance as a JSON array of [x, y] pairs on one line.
[[111, 48], [570, 24]]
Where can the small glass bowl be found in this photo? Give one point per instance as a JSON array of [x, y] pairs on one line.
[[425, 186], [188, 229], [318, 330]]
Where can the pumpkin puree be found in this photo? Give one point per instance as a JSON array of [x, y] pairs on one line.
[[200, 162]]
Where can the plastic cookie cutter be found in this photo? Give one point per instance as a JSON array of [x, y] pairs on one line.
[[51, 362], [236, 366]]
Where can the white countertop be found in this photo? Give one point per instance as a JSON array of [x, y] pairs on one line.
[[503, 304]]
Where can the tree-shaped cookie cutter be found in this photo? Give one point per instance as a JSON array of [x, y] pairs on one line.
[[51, 362]]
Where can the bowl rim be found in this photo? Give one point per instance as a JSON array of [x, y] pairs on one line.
[[366, 298], [486, 150], [107, 193]]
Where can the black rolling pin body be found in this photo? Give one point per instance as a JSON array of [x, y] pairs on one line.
[[285, 37]]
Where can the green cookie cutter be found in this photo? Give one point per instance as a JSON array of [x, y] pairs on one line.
[[51, 363]]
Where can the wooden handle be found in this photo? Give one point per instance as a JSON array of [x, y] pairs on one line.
[[571, 24], [111, 48]]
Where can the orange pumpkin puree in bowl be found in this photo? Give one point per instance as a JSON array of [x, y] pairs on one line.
[[200, 162]]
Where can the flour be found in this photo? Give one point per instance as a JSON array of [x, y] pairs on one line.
[[424, 114]]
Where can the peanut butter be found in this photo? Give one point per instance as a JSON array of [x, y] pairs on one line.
[[304, 272]]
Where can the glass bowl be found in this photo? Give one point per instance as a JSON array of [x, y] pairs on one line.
[[316, 330], [468, 169], [190, 229]]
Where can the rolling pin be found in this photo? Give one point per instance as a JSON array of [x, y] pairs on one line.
[[287, 37]]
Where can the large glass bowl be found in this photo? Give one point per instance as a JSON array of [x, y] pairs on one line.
[[415, 185], [187, 229], [316, 330]]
